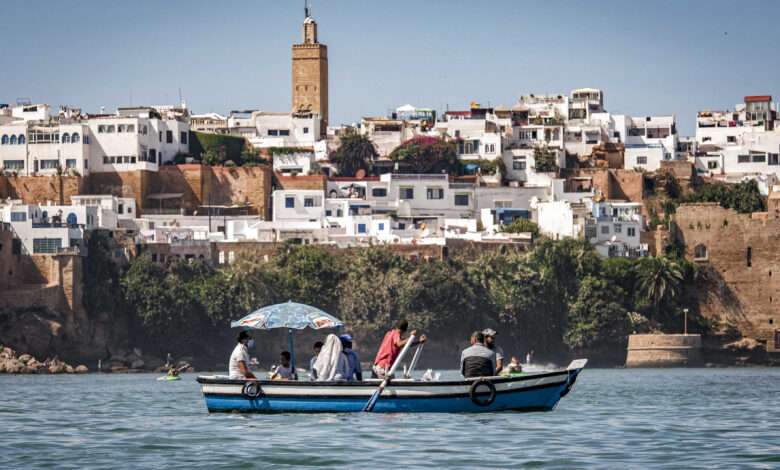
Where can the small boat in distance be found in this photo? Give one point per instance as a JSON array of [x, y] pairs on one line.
[[539, 391]]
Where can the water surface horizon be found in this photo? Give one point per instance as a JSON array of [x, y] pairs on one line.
[[614, 418]]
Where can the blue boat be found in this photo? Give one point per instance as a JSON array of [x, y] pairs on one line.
[[532, 392]]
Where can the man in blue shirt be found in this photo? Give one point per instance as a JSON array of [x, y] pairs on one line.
[[353, 369]]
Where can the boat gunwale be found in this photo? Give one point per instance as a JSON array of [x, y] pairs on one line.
[[215, 380]]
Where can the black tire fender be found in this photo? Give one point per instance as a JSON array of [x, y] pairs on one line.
[[473, 393], [252, 390]]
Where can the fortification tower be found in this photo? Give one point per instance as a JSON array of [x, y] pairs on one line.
[[310, 72]]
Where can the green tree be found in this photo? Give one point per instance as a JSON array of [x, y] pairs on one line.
[[355, 152], [743, 197], [307, 274], [521, 225], [428, 155], [597, 317], [545, 160]]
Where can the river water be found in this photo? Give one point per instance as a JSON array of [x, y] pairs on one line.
[[673, 418]]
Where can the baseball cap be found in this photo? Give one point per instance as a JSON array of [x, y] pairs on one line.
[[489, 332]]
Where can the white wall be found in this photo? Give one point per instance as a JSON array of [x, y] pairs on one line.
[[299, 211]]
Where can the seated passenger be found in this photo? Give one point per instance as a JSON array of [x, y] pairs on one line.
[[351, 367], [331, 363], [283, 371], [312, 369], [514, 366], [239, 360], [477, 360]]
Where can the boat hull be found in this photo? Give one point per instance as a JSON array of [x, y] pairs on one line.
[[535, 392]]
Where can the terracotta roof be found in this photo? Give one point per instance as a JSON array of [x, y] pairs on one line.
[[758, 98]]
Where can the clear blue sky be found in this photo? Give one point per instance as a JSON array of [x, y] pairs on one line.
[[649, 57]]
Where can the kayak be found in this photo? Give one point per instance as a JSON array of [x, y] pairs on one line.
[[536, 391], [169, 378]]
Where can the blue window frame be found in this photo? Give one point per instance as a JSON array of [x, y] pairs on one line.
[[361, 228], [289, 202], [381, 226]]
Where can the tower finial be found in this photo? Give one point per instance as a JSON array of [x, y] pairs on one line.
[[306, 8]]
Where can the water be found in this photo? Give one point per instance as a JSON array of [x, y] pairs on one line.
[[713, 418]]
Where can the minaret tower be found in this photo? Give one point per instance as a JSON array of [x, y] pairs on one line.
[[310, 72]]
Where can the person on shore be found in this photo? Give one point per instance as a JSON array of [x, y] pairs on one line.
[[312, 370], [284, 370], [391, 348], [352, 369], [529, 357], [490, 343], [238, 366], [477, 360]]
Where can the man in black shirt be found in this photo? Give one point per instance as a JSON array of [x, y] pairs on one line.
[[477, 360]]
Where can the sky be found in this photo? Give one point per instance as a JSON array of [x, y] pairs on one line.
[[649, 57]]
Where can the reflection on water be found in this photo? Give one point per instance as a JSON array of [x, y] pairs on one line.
[[722, 418]]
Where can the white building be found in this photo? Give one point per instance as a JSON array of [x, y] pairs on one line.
[[305, 205], [648, 140], [614, 229], [49, 229], [284, 130]]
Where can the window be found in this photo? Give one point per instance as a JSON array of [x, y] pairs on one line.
[[518, 163], [152, 155], [110, 129], [732, 139], [435, 193], [284, 132], [749, 257], [361, 228], [13, 140], [4, 140], [461, 199], [289, 202], [14, 165], [405, 193], [605, 229], [706, 139], [273, 132], [131, 128], [70, 163], [743, 158], [18, 216], [305, 130], [66, 138], [121, 128], [700, 252], [618, 228], [641, 160], [46, 245], [106, 161], [773, 159], [381, 226], [631, 232], [758, 157], [712, 165], [101, 129], [159, 136], [49, 164], [308, 202], [183, 139], [328, 212], [379, 192], [169, 137]]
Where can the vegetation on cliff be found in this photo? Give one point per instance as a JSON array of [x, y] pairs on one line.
[[356, 152], [560, 296]]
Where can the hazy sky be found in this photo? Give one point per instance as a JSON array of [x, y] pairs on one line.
[[649, 57]]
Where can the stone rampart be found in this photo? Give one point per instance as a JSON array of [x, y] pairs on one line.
[[659, 350]]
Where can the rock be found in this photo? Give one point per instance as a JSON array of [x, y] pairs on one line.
[[744, 344], [118, 369], [14, 366], [82, 369], [25, 357], [68, 369], [137, 364], [152, 363], [138, 352], [56, 369]]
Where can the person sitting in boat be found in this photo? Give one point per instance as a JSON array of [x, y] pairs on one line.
[[477, 360], [173, 372], [391, 348], [312, 369], [331, 362], [284, 370], [351, 367], [238, 367], [490, 343]]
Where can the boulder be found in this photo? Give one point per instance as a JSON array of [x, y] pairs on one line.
[[744, 344], [14, 366], [82, 369], [137, 364], [56, 369], [69, 369], [25, 358]]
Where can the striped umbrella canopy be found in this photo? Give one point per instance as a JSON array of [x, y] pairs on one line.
[[290, 315]]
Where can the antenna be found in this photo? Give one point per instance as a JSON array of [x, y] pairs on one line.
[[306, 8]]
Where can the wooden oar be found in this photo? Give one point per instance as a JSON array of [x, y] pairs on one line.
[[372, 401], [415, 358]]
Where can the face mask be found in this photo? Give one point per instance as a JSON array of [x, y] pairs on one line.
[[250, 344]]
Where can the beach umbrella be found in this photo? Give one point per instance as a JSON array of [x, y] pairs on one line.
[[290, 315]]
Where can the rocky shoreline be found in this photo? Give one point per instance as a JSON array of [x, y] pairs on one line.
[[11, 363]]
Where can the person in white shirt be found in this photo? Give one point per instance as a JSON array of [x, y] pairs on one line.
[[238, 367], [284, 370]]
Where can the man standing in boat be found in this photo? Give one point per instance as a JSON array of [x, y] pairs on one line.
[[238, 367], [391, 348]]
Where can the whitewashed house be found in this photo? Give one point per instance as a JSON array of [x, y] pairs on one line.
[[614, 229]]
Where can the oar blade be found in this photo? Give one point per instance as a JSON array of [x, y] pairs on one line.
[[371, 402]]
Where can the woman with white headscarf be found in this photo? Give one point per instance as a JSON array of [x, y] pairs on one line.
[[330, 360]]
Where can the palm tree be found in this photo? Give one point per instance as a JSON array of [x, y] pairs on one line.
[[659, 280], [355, 152]]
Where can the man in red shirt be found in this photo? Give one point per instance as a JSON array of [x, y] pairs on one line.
[[391, 348]]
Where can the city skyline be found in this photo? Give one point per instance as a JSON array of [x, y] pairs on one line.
[[656, 59]]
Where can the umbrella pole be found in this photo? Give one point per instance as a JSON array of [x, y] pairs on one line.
[[291, 345]]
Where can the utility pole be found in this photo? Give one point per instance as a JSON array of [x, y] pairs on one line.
[[685, 321]]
